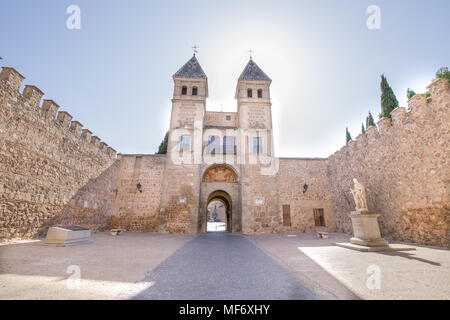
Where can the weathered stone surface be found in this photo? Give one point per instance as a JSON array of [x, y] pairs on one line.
[[366, 231], [51, 173], [292, 176], [405, 170], [135, 210], [43, 164]]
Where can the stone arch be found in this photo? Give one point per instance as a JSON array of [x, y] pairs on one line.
[[225, 198], [220, 173], [220, 181]]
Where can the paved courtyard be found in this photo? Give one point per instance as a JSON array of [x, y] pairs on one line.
[[219, 266]]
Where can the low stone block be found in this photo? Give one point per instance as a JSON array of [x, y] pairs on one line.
[[62, 236], [116, 232], [366, 230], [322, 235]]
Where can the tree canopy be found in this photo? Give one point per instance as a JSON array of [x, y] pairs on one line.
[[163, 146], [388, 99], [348, 137]]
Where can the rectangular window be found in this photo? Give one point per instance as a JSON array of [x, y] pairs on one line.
[[228, 118], [229, 146], [286, 215], [319, 218], [257, 145], [185, 145], [213, 146]]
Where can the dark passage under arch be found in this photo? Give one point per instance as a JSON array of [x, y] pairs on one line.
[[219, 201]]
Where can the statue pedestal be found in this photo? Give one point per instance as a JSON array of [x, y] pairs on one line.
[[366, 231]]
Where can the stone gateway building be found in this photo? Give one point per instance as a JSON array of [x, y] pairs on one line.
[[224, 156], [54, 171]]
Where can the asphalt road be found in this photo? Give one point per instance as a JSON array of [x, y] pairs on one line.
[[219, 266]]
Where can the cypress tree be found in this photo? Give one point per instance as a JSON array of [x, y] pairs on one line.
[[363, 130], [370, 121], [388, 99], [163, 146], [410, 93], [348, 137]]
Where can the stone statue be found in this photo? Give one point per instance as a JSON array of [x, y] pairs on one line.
[[359, 194]]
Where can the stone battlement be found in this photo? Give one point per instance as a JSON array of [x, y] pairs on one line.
[[45, 157], [404, 166], [29, 101], [401, 118]]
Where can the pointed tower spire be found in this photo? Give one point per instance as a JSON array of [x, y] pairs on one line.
[[191, 69], [253, 72]]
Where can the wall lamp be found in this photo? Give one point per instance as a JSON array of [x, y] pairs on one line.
[[305, 188]]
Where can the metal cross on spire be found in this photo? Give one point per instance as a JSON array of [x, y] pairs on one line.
[[250, 53], [195, 49]]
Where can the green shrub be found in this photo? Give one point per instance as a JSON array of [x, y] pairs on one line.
[[443, 73], [410, 94]]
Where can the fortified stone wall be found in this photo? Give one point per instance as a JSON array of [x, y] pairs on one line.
[[53, 171], [93, 205], [259, 201], [404, 166], [135, 210], [293, 174], [45, 158], [180, 199]]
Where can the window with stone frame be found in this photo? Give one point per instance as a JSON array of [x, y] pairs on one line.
[[249, 93], [213, 146], [229, 145], [257, 145], [184, 90], [260, 93], [185, 144], [194, 91]]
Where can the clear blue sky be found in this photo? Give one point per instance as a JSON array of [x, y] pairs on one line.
[[114, 75]]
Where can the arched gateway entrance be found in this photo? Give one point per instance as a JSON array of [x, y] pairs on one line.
[[219, 206], [219, 202]]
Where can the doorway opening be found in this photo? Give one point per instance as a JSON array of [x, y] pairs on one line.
[[218, 208], [319, 218]]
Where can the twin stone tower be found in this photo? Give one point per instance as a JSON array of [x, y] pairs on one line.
[[224, 156]]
